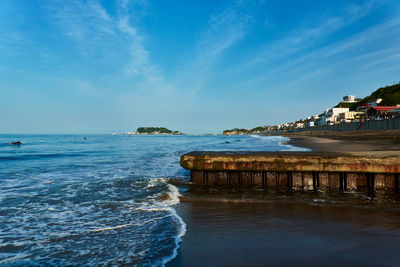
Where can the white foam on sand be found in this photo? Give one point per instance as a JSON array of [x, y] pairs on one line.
[[167, 205], [178, 238]]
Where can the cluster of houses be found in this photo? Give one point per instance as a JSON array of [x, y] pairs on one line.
[[337, 115]]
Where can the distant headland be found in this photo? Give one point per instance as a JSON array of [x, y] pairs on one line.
[[154, 130]]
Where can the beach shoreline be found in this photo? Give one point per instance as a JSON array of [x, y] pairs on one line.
[[354, 141]]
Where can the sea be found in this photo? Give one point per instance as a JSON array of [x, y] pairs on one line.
[[87, 200]]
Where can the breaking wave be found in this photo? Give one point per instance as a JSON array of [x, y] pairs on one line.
[[168, 199]]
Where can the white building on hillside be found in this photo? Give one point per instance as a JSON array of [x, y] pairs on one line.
[[375, 102], [349, 99], [332, 115]]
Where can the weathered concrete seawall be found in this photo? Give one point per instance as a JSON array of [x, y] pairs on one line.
[[370, 125], [295, 170]]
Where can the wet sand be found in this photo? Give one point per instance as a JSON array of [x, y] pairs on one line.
[[337, 145], [347, 141], [286, 234]]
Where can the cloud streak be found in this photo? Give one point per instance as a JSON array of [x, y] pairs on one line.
[[82, 20], [302, 60], [303, 39], [96, 32], [224, 30]]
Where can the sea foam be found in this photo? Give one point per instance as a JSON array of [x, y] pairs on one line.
[[167, 204]]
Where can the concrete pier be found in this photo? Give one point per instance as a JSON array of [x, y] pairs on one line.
[[295, 170]]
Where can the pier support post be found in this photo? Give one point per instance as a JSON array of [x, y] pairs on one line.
[[229, 178], [315, 180], [235, 179], [212, 178], [205, 177], [370, 182], [264, 178], [361, 182], [283, 180], [343, 181], [289, 176], [271, 179]]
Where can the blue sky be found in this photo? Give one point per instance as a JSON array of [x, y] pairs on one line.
[[195, 66]]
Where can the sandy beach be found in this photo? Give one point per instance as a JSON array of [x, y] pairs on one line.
[[222, 232], [347, 141]]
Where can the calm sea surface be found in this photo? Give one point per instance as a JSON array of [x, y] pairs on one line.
[[104, 200]]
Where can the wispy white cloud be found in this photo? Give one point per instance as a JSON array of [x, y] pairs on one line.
[[313, 62], [16, 46], [140, 63], [224, 30], [82, 20], [11, 43], [96, 31], [365, 42], [304, 38]]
